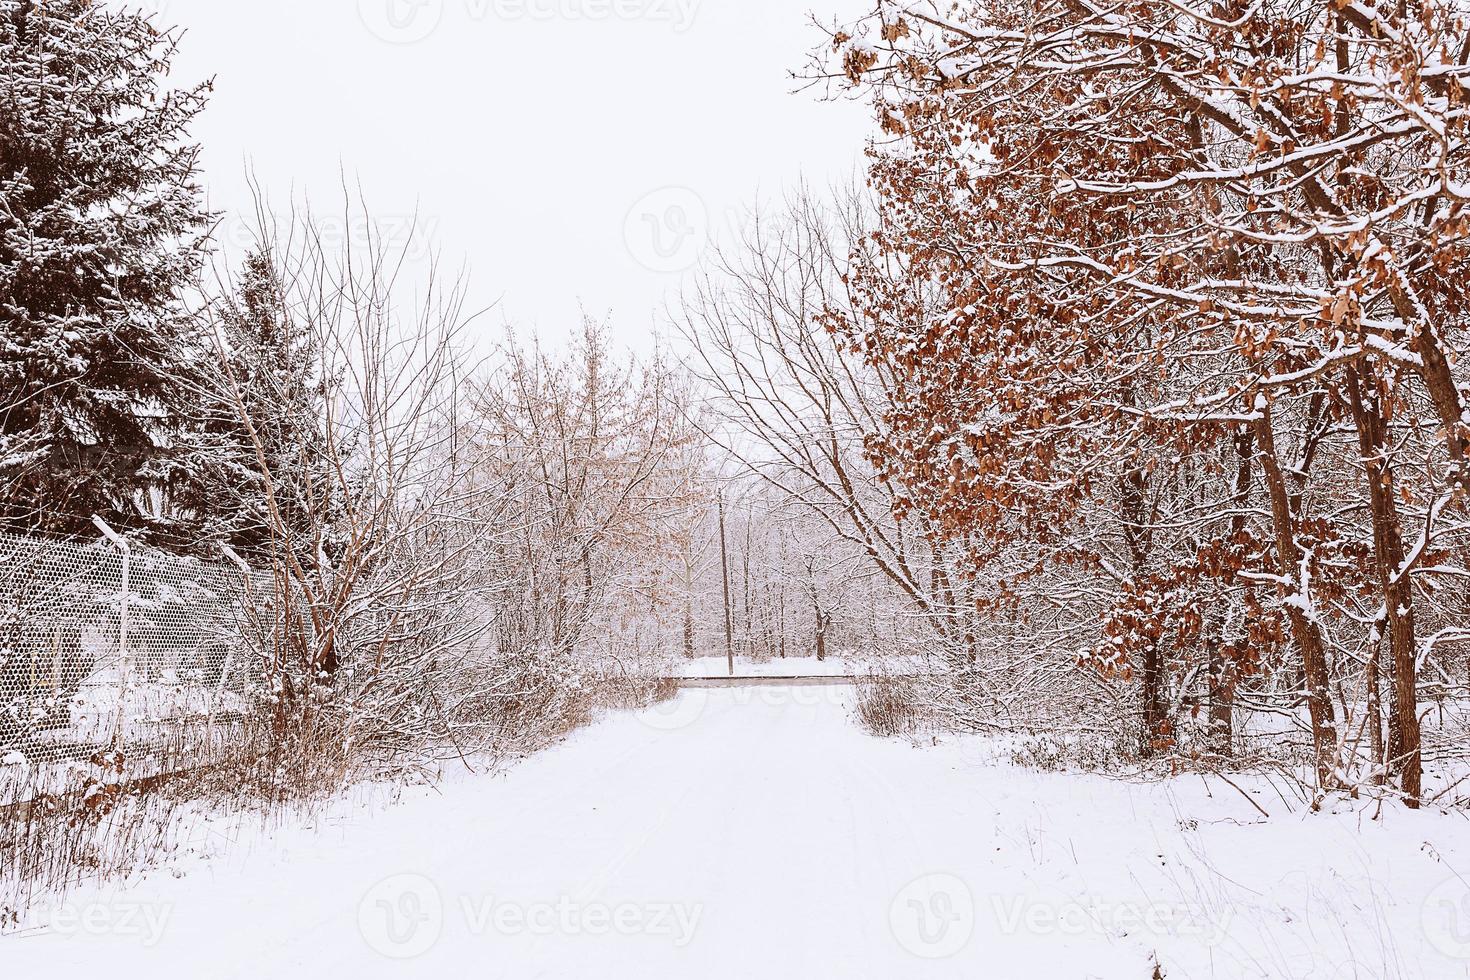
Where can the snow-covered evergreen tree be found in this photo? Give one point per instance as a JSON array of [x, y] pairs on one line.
[[101, 228], [267, 472]]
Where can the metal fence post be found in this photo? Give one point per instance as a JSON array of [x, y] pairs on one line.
[[122, 639], [224, 671]]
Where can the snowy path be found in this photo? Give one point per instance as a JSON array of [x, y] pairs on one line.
[[757, 833]]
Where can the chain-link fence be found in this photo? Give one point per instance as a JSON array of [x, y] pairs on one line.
[[102, 645]]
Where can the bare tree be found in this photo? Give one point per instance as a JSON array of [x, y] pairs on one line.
[[604, 471], [377, 541], [794, 409]]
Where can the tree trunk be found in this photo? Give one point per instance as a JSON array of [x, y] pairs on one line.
[[1305, 631], [1375, 716], [725, 574], [688, 629], [1155, 721], [1222, 683], [1394, 582], [1134, 495], [822, 620], [781, 618]]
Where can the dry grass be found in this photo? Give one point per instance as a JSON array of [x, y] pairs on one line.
[[117, 813], [891, 706], [120, 812]]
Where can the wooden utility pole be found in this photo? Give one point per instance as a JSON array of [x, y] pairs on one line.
[[725, 572]]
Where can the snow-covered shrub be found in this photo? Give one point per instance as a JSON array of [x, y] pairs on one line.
[[1068, 751], [888, 705]]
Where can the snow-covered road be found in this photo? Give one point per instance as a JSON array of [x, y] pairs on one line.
[[758, 833]]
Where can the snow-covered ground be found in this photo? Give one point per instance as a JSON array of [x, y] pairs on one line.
[[757, 832]]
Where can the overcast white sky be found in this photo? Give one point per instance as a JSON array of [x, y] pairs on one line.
[[570, 151]]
